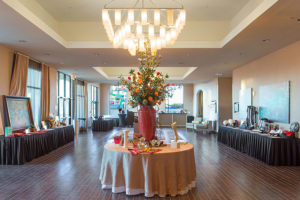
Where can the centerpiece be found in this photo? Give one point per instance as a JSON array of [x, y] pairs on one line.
[[147, 88]]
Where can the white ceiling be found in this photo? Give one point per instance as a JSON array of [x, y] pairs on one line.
[[89, 10], [278, 24], [174, 73]]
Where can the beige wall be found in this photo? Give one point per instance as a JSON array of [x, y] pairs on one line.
[[188, 96], [282, 65], [219, 90], [210, 93], [225, 98], [104, 99], [6, 58]]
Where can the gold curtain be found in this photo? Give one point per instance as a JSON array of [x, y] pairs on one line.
[[200, 104], [45, 92], [18, 83]]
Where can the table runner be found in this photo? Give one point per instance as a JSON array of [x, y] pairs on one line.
[[271, 150], [169, 172], [18, 150]]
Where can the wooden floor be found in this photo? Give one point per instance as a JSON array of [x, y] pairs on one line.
[[72, 172]]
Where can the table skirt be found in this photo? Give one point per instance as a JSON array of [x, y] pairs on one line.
[[271, 150], [163, 174], [18, 150]]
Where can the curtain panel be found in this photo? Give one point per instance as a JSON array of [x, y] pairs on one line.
[[45, 97], [18, 83]]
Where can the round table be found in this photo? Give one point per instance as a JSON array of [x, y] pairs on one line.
[[168, 172]]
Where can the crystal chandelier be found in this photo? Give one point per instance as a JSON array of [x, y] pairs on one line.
[[132, 27]]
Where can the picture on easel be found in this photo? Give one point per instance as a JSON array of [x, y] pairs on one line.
[[18, 113]]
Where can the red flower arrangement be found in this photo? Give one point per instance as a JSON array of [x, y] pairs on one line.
[[146, 87]]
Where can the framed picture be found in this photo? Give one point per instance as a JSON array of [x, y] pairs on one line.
[[236, 107], [18, 113]]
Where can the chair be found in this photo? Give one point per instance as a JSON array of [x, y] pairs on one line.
[[130, 118], [122, 120], [205, 127], [189, 122]]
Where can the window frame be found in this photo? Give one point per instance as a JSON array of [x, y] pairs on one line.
[[119, 91], [94, 101], [33, 65], [167, 100], [64, 98], [81, 119]]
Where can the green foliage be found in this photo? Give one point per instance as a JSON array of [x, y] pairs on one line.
[[146, 86]]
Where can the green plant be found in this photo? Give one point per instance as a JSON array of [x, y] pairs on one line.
[[146, 86]]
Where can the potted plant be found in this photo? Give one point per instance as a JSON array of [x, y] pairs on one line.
[[147, 88]]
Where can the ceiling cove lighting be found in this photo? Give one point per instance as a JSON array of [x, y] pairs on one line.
[[132, 27]]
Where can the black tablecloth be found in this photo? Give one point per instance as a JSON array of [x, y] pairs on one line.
[[103, 125], [18, 150], [271, 150]]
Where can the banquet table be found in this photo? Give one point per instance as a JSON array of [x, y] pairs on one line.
[[271, 150], [20, 149], [167, 172]]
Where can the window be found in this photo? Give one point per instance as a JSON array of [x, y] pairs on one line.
[[117, 100], [174, 104], [80, 103], [65, 97], [94, 101], [34, 86]]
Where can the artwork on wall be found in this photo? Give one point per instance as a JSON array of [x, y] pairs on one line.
[[245, 100], [213, 110], [236, 107], [18, 113], [274, 102]]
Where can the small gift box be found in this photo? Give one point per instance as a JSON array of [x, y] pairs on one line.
[[117, 139]]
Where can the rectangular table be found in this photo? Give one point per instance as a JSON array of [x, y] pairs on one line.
[[18, 150], [271, 150]]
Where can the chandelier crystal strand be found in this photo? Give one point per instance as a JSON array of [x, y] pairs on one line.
[[155, 26]]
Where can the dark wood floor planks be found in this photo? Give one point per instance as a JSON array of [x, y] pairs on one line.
[[72, 172]]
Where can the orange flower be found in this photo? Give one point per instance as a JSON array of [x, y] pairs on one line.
[[156, 93], [139, 81], [150, 98], [155, 101], [159, 103], [130, 102], [137, 89]]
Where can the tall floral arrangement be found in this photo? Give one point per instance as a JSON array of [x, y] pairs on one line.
[[147, 86]]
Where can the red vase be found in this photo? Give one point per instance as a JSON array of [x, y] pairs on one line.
[[147, 122]]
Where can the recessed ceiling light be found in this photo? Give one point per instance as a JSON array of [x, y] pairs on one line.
[[295, 18], [62, 63], [180, 63], [22, 41], [97, 54], [266, 40], [219, 74]]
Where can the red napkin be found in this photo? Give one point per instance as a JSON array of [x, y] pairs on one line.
[[288, 133]]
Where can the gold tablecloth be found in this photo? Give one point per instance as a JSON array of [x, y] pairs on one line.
[[168, 172]]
